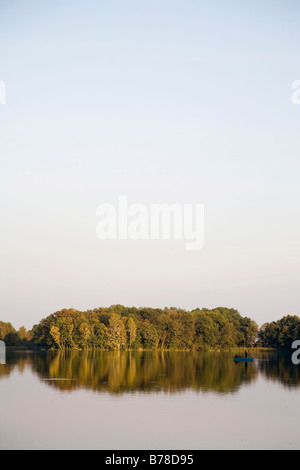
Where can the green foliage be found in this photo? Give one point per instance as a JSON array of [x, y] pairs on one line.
[[11, 337], [8, 334], [116, 333], [280, 334], [131, 332], [119, 328]]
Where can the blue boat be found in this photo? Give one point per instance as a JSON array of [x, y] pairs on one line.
[[243, 359]]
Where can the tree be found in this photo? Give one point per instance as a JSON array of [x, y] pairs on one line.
[[131, 330], [207, 332], [117, 332], [228, 336], [85, 333], [149, 335], [55, 333]]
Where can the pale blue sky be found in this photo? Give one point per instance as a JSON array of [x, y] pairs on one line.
[[163, 101]]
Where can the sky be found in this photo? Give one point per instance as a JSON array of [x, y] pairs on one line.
[[166, 101]]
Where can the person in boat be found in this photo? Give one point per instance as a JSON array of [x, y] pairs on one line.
[[246, 354]]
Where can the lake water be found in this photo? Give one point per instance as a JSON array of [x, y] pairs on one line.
[[145, 400]]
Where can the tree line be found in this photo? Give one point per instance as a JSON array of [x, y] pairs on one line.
[[121, 328], [13, 337], [280, 334]]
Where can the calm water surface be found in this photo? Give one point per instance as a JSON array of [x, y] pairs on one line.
[[171, 400]]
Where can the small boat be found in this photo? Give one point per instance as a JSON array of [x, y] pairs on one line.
[[243, 359]]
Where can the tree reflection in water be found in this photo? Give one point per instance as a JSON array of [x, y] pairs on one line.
[[170, 372]]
